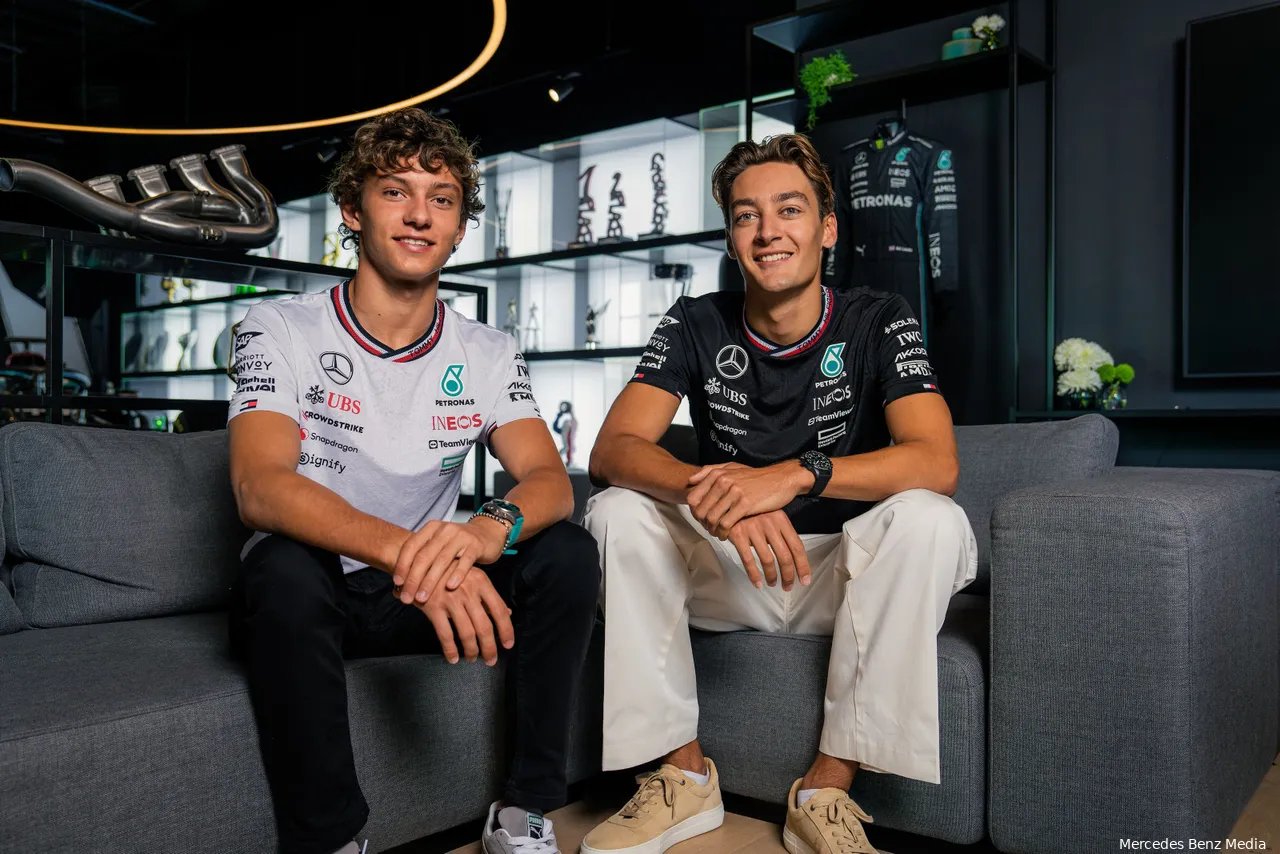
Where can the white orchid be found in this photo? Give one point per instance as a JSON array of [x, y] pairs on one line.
[[987, 25], [1078, 379]]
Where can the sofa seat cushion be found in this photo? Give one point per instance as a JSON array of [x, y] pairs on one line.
[[996, 459], [158, 506], [140, 736], [760, 714]]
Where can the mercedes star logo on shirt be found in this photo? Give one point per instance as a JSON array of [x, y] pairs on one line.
[[731, 362], [336, 366]]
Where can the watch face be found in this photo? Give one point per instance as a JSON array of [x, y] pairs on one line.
[[818, 461], [506, 507]]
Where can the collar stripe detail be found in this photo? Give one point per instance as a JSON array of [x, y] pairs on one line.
[[427, 342], [342, 308], [347, 319], [801, 346]]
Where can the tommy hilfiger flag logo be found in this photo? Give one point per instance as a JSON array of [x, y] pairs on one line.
[[931, 386], [829, 435], [451, 464], [249, 404]]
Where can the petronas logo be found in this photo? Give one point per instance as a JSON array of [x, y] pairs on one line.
[[833, 360], [451, 382]]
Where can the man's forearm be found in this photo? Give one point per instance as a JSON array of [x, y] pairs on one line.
[[297, 507], [876, 475], [633, 463], [544, 497]]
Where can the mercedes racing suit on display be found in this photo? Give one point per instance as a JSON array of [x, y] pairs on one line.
[[896, 212]]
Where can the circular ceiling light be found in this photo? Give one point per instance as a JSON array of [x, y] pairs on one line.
[[490, 48], [559, 93]]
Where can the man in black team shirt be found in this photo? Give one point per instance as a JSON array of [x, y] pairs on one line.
[[822, 507]]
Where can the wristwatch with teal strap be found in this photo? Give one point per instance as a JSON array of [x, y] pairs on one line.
[[506, 513]]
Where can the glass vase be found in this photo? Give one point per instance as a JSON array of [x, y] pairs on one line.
[[1113, 396], [1079, 400]]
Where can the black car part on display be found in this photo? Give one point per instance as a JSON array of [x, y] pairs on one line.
[[205, 213]]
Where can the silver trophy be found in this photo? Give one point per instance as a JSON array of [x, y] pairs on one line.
[[592, 314], [512, 326], [531, 342], [502, 250]]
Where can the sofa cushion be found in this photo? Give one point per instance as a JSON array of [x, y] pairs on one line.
[[114, 524], [999, 458], [139, 736], [760, 702]]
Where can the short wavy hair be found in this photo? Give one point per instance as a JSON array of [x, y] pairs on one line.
[[783, 148], [391, 143]]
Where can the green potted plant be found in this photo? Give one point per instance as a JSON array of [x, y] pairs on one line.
[[1114, 379], [819, 75]]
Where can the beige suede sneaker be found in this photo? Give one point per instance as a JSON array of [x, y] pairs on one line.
[[668, 808], [829, 823]]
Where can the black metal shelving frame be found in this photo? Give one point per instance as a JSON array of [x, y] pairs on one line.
[[62, 249], [1008, 69]]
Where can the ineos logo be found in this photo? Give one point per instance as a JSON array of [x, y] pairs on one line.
[[336, 366], [731, 362]]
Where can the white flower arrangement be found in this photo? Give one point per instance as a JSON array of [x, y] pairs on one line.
[[986, 26], [1078, 380], [1077, 353]]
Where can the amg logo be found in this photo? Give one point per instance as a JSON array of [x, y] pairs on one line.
[[909, 337], [886, 200], [918, 368], [935, 253]]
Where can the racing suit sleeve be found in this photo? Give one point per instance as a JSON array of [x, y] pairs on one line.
[[941, 223], [262, 359], [515, 399], [836, 272], [903, 362], [669, 359]]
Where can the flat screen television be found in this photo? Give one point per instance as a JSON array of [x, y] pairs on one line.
[[1231, 199]]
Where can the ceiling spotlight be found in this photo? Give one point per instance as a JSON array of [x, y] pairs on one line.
[[563, 87]]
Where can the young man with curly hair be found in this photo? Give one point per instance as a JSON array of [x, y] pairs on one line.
[[828, 460], [353, 413]]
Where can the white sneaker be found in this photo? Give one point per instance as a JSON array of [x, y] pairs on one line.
[[512, 830]]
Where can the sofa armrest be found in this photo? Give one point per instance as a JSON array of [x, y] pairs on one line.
[[1135, 657]]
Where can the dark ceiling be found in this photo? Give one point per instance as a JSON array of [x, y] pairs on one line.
[[199, 63]]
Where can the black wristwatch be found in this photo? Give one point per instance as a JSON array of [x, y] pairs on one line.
[[820, 465]]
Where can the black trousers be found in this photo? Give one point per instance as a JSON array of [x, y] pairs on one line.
[[295, 618]]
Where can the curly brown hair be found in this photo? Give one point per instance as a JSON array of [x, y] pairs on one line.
[[391, 143], [783, 148]]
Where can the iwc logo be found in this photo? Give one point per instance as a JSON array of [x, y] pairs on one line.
[[731, 362], [833, 360], [451, 383]]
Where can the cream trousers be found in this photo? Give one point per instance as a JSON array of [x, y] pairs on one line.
[[879, 589]]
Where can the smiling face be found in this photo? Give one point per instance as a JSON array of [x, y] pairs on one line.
[[776, 231], [408, 221]]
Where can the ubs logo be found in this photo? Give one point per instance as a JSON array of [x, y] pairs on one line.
[[342, 403]]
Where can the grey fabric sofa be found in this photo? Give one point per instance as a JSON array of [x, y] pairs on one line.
[[1114, 673]]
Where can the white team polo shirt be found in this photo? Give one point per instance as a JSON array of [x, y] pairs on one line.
[[388, 430]]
